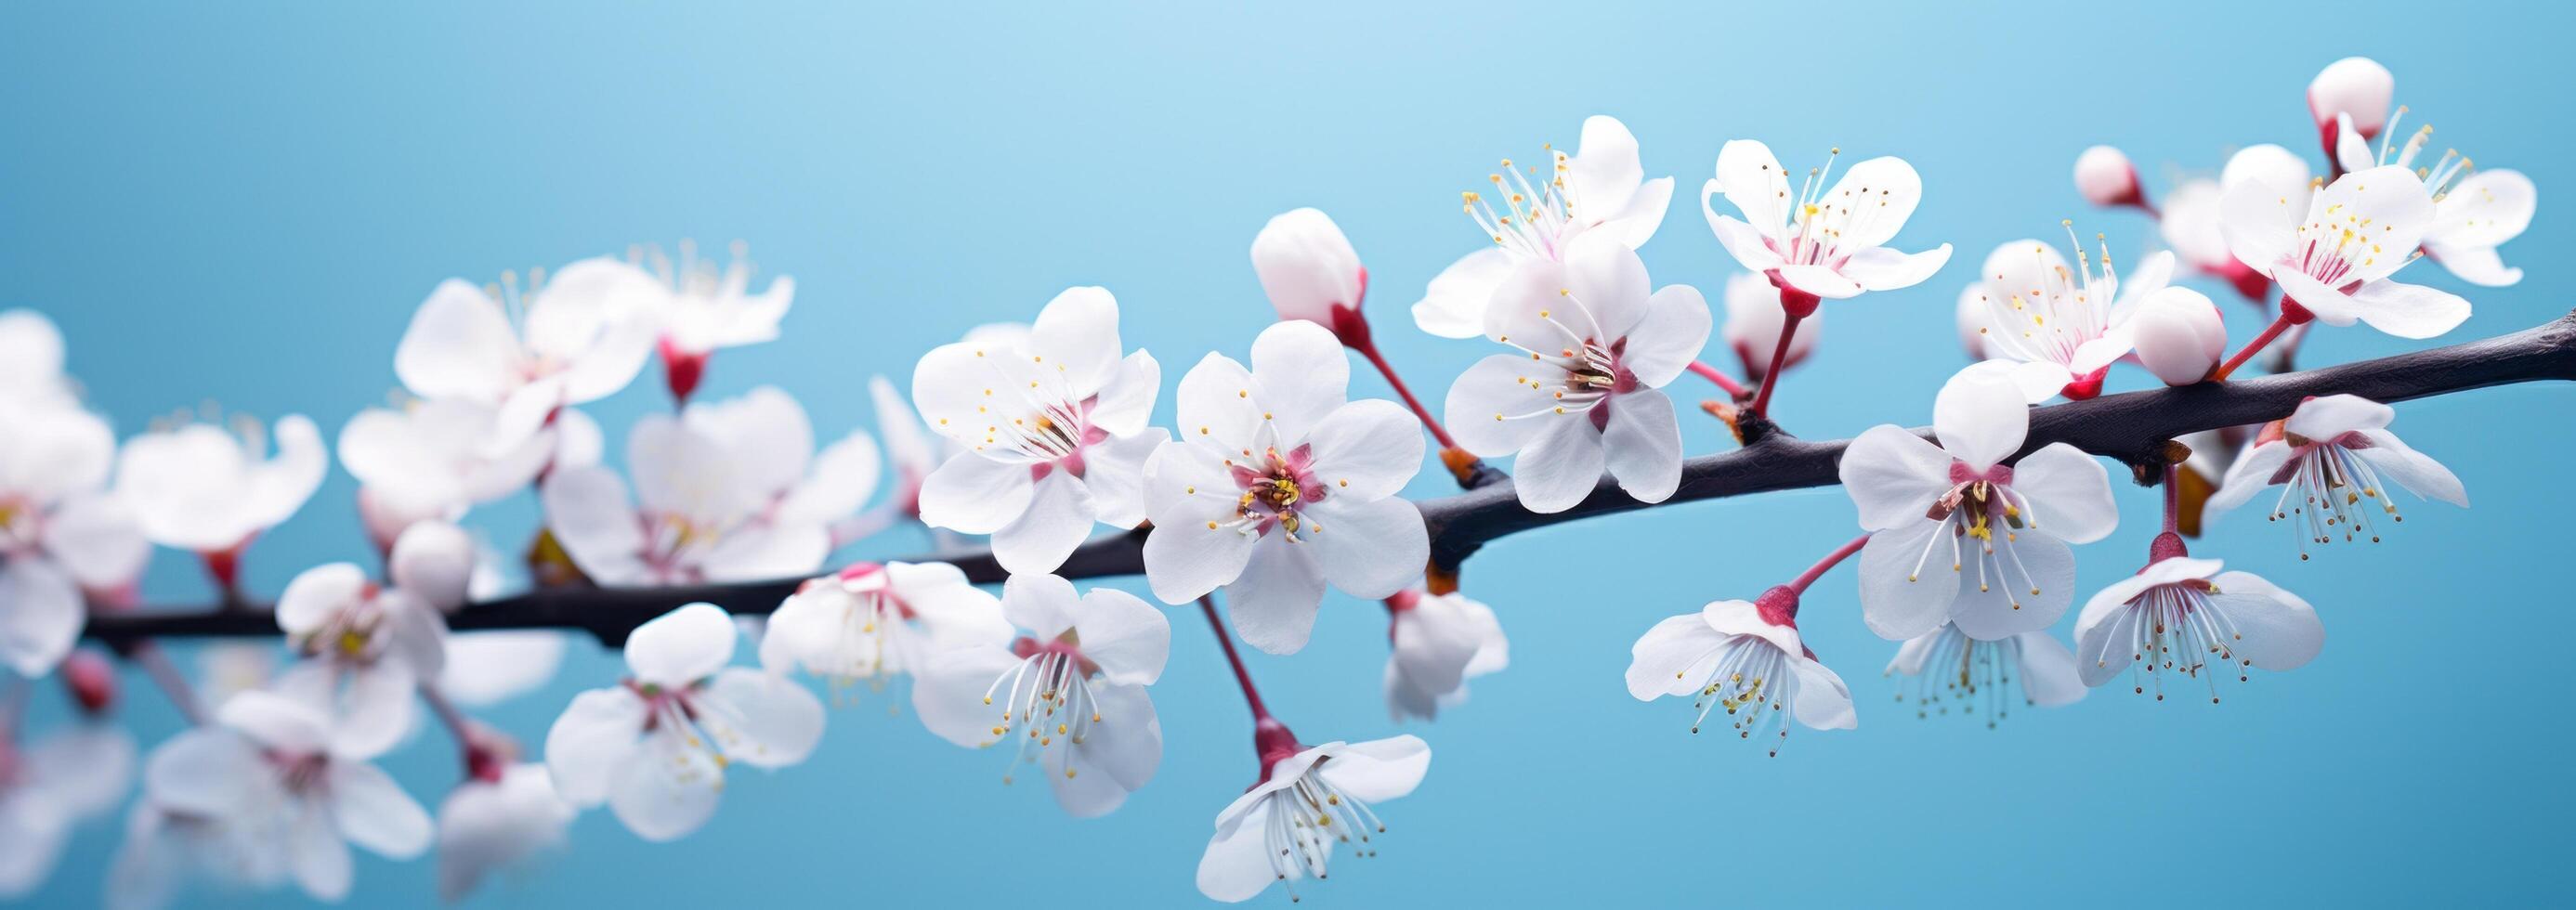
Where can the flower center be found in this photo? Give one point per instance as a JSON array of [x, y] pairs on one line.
[[1046, 700], [1973, 513], [2322, 491], [1579, 371], [2063, 312], [1273, 492], [1818, 224], [1538, 215], [1969, 673], [2175, 629]]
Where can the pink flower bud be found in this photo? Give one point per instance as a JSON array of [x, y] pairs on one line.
[[91, 679], [1308, 268], [2358, 86], [434, 561], [2179, 335], [2105, 177]]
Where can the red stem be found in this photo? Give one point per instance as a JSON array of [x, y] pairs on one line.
[[2279, 324], [156, 664], [1827, 564], [1733, 388], [1242, 677], [1779, 355], [2173, 499], [1369, 350]]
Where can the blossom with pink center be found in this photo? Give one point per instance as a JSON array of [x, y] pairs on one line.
[[1310, 801], [576, 337], [1828, 241], [1753, 321], [2001, 531], [2474, 211], [2333, 254], [1439, 642], [1585, 391], [1054, 427], [61, 535], [655, 747], [2062, 327], [1745, 657], [2181, 615], [48, 787], [1949, 668], [2332, 460], [269, 776], [706, 308], [1278, 485], [1070, 691], [871, 623], [1536, 217], [367, 647]]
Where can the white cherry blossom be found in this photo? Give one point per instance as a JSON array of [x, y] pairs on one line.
[[1828, 241], [870, 623], [1585, 391], [61, 536], [1999, 531], [576, 337], [2333, 459], [1070, 691], [200, 488], [1439, 642], [2474, 211], [269, 774], [427, 461], [366, 647], [1950, 668], [1054, 427], [708, 308], [1278, 485], [1746, 658], [2182, 615], [31, 361], [491, 825], [1602, 188], [655, 747], [2063, 327], [50, 786], [1308, 803], [2333, 255]]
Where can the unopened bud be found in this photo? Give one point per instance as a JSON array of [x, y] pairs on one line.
[[2179, 334], [1308, 269], [91, 679], [2358, 86], [2106, 178]]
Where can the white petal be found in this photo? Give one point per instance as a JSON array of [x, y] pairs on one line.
[[1886, 182], [2408, 310], [1369, 548], [949, 691], [681, 647], [2275, 629], [2070, 493], [2476, 265], [1823, 701], [1380, 769], [1560, 467], [1126, 636], [841, 479], [1881, 269], [374, 812], [206, 771], [1059, 516], [666, 790], [276, 722], [1981, 418], [973, 494], [1603, 174], [1642, 446], [1216, 406], [1127, 403], [317, 855], [279, 486], [1078, 332], [2260, 220], [1893, 476], [2392, 201], [1118, 756], [1275, 599], [769, 721], [1754, 183], [40, 615], [2029, 592], [1822, 281], [1367, 449], [1662, 660], [2414, 470], [1300, 374], [1899, 600], [1236, 866], [593, 316], [2327, 417], [1453, 306], [766, 551], [587, 511], [459, 344], [484, 668], [1672, 334], [1483, 404], [1306, 265], [2048, 677], [2484, 210], [1191, 550], [2249, 475], [432, 560], [1114, 472]]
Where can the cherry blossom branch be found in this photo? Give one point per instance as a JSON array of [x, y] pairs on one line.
[[2132, 427]]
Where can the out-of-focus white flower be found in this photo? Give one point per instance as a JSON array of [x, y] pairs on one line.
[[1585, 390], [906, 448], [1439, 641], [1979, 675], [1309, 801], [2106, 178], [427, 461], [1070, 691], [655, 747], [1278, 485], [2178, 334], [707, 308], [200, 488], [31, 360], [367, 648], [488, 825], [1828, 242], [49, 787], [268, 772], [579, 336], [59, 534], [2333, 253], [2329, 458], [1055, 430], [1602, 188]]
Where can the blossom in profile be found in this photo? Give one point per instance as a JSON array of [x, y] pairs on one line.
[[1309, 802], [575, 337], [1438, 642], [1829, 241], [1945, 667], [708, 308], [208, 490], [1745, 657], [869, 623], [2062, 327], [2182, 619], [1535, 216], [2333, 460]]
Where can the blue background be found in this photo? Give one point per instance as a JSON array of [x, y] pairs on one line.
[[244, 205]]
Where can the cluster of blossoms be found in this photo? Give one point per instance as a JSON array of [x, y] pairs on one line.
[[1270, 485]]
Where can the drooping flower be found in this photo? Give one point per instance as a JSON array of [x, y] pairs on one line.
[[2333, 255], [2178, 334], [1070, 691], [1309, 802], [1828, 242], [1949, 668], [723, 493], [197, 487], [1746, 658], [2063, 327], [1278, 485], [49, 787], [707, 308], [427, 461], [656, 746], [2182, 615], [366, 647], [1600, 189], [1439, 641], [489, 825], [1753, 321], [2004, 529], [1585, 391], [1054, 424], [872, 622], [60, 535], [2330, 459], [577, 337], [269, 773]]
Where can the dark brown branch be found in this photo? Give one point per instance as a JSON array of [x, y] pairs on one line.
[[2131, 427]]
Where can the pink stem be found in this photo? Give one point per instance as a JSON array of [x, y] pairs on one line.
[[1369, 350], [1242, 677], [2279, 324], [1827, 564], [1779, 355], [156, 664], [1733, 388], [2173, 499]]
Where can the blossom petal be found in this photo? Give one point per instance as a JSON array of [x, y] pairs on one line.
[[1889, 184], [1366, 449], [2249, 475], [773, 721], [1488, 405], [1642, 445], [1453, 306], [1672, 334], [587, 511], [2069, 493], [1663, 660], [2025, 591], [973, 494], [2476, 265], [42, 615], [206, 771], [1822, 281], [1823, 701], [1369, 548], [1379, 769], [1126, 403], [1193, 548], [767, 551], [1981, 418], [2327, 417], [2392, 202], [1059, 517], [2260, 220], [681, 647], [1878, 268], [949, 691], [1300, 375], [2048, 677], [1216, 406], [459, 344], [374, 812], [2408, 310], [1275, 599], [840, 481], [1905, 588], [1126, 636], [2275, 629], [1236, 866], [2484, 210], [317, 856], [1118, 756], [1306, 265], [1893, 476], [1560, 467], [2411, 469], [1078, 332], [669, 791], [595, 735], [1753, 182]]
